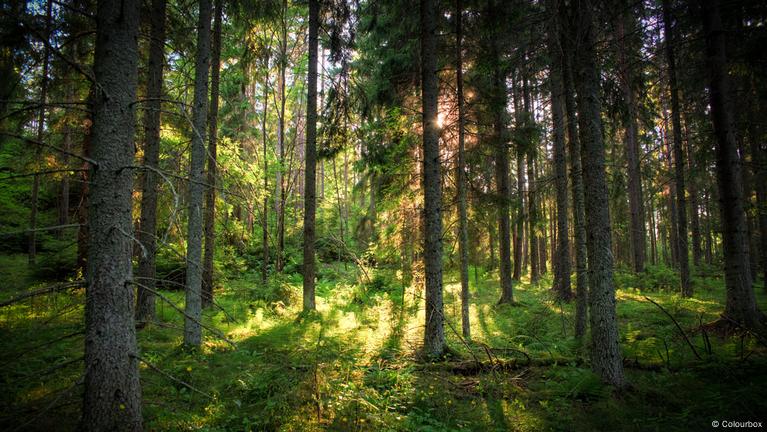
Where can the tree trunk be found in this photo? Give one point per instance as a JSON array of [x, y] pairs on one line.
[[147, 236], [576, 182], [560, 257], [636, 196], [463, 232], [532, 205], [32, 248], [498, 106], [434, 332], [210, 188], [193, 305], [279, 200], [265, 216], [679, 157], [605, 351], [310, 185], [112, 397], [740, 299]]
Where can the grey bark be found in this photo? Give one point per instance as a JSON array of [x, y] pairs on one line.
[[193, 305], [209, 222], [606, 358], [112, 396], [145, 305], [310, 186], [679, 157], [279, 200], [463, 232], [740, 303], [434, 332]]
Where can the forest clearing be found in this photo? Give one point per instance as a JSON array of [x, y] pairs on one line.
[[383, 215]]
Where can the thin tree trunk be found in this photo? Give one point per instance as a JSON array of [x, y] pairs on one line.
[[145, 305], [502, 175], [279, 200], [32, 248], [112, 396], [265, 220], [606, 358], [193, 305], [740, 299], [310, 185], [210, 191], [532, 204], [679, 157], [463, 232], [636, 196], [434, 332], [560, 257]]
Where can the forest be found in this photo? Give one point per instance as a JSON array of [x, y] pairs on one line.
[[383, 215]]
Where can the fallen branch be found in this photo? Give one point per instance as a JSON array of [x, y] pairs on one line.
[[692, 347], [170, 377], [42, 291]]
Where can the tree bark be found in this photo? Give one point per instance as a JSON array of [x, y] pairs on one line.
[[265, 216], [434, 332], [740, 303], [279, 200], [310, 185], [147, 236], [463, 232], [112, 397], [209, 222], [193, 305], [502, 176], [679, 157], [532, 205], [605, 352]]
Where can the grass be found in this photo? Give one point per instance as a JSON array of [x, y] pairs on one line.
[[352, 366]]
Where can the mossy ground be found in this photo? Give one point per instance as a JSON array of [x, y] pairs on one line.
[[353, 365]]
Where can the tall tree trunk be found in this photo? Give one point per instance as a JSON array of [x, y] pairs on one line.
[[576, 182], [279, 200], [147, 236], [532, 204], [627, 81], [310, 185], [64, 185], [605, 352], [85, 176], [740, 299], [434, 333], [193, 305], [32, 248], [112, 396], [210, 189], [560, 257], [498, 105], [679, 157], [265, 216], [463, 231]]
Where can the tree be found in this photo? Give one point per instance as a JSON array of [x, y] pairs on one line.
[[434, 333], [310, 185], [112, 397], [193, 305], [679, 157], [463, 232], [606, 358], [561, 258], [740, 304], [145, 305], [210, 191]]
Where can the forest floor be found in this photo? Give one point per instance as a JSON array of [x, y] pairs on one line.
[[354, 366]]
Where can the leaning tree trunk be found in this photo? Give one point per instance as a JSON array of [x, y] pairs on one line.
[[561, 256], [434, 333], [679, 158], [310, 185], [193, 306], [147, 236], [463, 232], [605, 351], [740, 303], [210, 191], [112, 396], [576, 182]]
